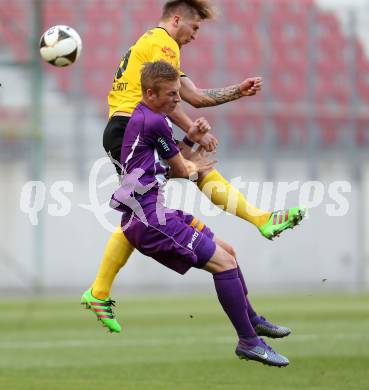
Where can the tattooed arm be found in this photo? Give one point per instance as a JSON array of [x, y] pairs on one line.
[[216, 96]]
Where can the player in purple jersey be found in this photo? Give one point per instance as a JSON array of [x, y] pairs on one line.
[[149, 157]]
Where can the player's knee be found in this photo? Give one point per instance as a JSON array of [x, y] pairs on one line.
[[221, 261], [227, 247], [229, 261], [231, 251]]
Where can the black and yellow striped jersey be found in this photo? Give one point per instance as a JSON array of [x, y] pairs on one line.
[[154, 45]]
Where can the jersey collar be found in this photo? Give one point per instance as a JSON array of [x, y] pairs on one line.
[[164, 30]]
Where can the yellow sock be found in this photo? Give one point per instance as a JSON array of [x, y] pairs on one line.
[[222, 193], [117, 252]]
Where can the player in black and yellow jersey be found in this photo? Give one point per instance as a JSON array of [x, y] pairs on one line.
[[154, 45], [179, 25]]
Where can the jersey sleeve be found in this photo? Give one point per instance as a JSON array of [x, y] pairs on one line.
[[160, 136]]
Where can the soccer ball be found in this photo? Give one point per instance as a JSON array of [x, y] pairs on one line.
[[60, 46]]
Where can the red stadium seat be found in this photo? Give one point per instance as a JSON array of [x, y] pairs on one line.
[[102, 46], [288, 25], [98, 71], [60, 12], [288, 81], [197, 66], [295, 46], [363, 81], [245, 13], [282, 132], [332, 88], [362, 132], [243, 41], [330, 129], [328, 24], [243, 60], [245, 129], [331, 53], [332, 66], [331, 42], [329, 92], [144, 15], [291, 130], [15, 27], [291, 8], [98, 86], [332, 71], [359, 50], [289, 21], [198, 59]]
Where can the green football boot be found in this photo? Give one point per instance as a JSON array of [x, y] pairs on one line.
[[102, 309], [281, 220]]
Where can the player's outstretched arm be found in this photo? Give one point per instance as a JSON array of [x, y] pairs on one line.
[[213, 97]]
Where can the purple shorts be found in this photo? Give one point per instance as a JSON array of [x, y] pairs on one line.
[[175, 244]]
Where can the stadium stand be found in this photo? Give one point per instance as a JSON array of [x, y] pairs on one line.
[[15, 35], [243, 51], [103, 43], [197, 61], [362, 132], [142, 17], [291, 130], [54, 13], [363, 80], [245, 129], [288, 82]]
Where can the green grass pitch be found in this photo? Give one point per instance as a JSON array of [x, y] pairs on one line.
[[181, 342]]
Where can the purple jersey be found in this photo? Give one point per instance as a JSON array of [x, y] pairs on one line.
[[148, 142], [164, 234]]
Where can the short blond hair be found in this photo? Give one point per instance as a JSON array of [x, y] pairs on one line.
[[153, 74], [203, 8]]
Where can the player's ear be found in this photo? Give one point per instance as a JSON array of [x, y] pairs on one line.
[[150, 93], [176, 19]]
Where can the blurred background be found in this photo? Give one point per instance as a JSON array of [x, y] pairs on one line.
[[307, 131]]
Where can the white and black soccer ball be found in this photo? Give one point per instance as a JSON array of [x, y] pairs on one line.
[[60, 46]]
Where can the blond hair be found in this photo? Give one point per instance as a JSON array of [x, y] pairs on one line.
[[153, 74], [203, 8]]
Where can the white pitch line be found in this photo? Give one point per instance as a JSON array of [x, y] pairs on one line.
[[160, 341]]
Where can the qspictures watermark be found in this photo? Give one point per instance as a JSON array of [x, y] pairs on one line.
[[36, 197]]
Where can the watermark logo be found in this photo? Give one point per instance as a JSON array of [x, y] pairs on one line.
[[100, 206], [124, 198], [33, 198], [230, 197]]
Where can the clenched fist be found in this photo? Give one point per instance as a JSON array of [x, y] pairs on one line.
[[251, 86]]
